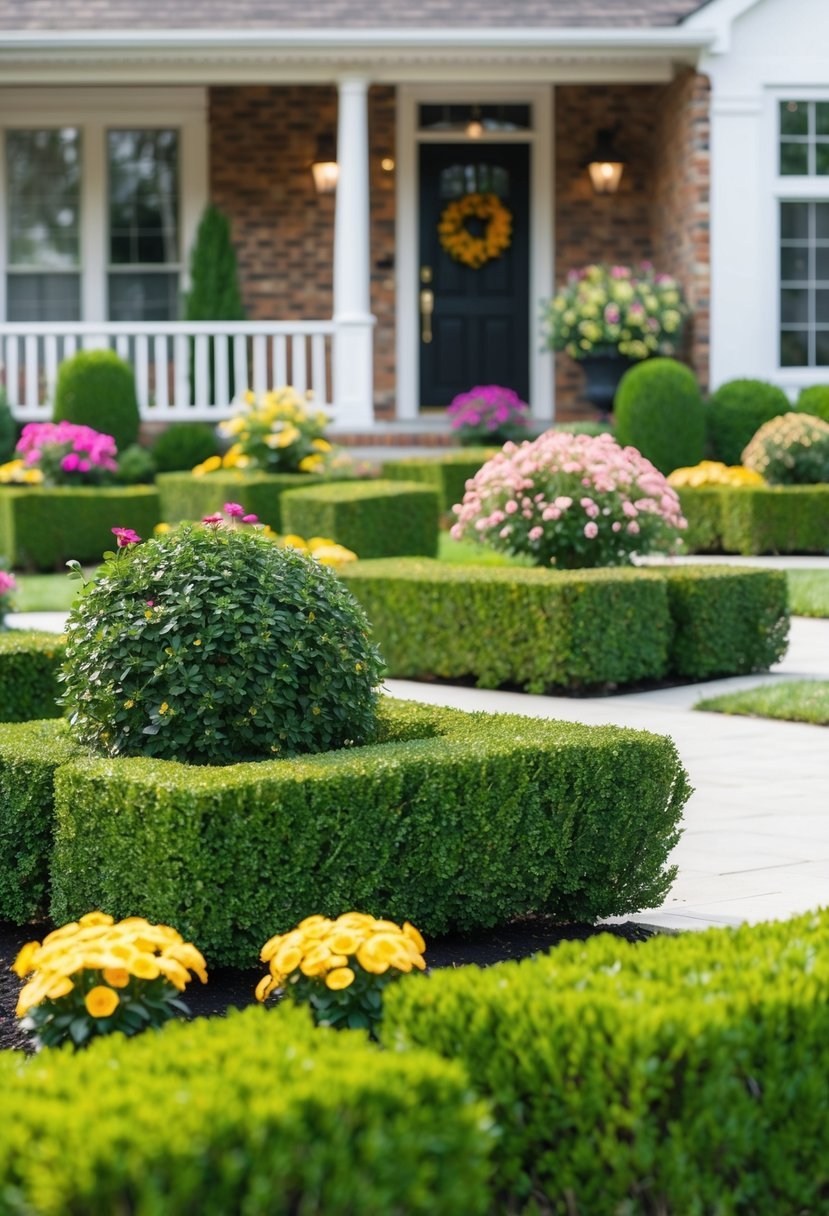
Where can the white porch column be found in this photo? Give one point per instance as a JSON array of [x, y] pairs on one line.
[[353, 356]]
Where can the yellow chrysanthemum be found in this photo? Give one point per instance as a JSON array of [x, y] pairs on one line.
[[25, 961], [101, 1002], [340, 978], [117, 977]]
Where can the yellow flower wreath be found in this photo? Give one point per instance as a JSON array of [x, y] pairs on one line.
[[458, 241]]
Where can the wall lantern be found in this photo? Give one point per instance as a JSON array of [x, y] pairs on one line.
[[605, 164], [324, 166]]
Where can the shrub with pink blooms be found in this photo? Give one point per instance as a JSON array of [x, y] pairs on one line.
[[488, 414], [570, 501], [66, 454]]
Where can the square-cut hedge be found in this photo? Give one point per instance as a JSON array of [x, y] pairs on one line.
[[757, 519], [257, 1113], [685, 1076], [459, 821], [447, 473], [29, 665], [372, 518], [44, 527], [185, 497], [543, 629], [30, 752]]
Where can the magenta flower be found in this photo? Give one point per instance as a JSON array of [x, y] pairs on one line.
[[213, 521], [234, 510], [125, 537], [7, 582], [250, 519]]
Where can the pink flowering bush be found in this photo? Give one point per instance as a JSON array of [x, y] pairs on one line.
[[67, 454], [488, 414], [570, 501], [8, 586]]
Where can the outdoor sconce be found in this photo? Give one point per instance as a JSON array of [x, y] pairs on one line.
[[475, 128], [324, 166], [605, 165]]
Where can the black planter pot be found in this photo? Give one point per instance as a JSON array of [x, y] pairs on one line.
[[603, 373]]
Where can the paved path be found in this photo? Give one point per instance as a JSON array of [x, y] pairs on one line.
[[756, 839]]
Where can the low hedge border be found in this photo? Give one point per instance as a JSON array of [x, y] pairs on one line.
[[546, 629], [257, 1113], [458, 821], [44, 527], [683, 1076], [29, 665], [185, 497], [372, 518], [447, 473], [751, 520]]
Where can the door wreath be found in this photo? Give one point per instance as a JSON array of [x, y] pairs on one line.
[[464, 246]]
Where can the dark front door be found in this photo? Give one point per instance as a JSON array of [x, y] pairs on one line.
[[480, 319]]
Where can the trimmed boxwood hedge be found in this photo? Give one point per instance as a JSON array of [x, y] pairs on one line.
[[29, 663], [685, 1076], [256, 1113], [447, 473], [44, 527], [184, 496], [757, 519], [546, 629], [372, 518], [30, 752], [457, 821]]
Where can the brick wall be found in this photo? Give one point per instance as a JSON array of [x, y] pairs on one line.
[[262, 140], [681, 187]]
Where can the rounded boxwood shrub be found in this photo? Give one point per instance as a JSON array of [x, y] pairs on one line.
[[183, 445], [814, 400], [736, 411], [213, 644], [791, 451], [659, 410], [96, 388], [136, 466]]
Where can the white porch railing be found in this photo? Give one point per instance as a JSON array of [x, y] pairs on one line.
[[184, 371]]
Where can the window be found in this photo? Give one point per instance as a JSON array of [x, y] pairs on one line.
[[491, 118], [43, 178], [143, 187], [459, 179], [804, 284], [804, 138]]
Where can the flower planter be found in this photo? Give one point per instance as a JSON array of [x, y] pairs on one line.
[[602, 375], [42, 528]]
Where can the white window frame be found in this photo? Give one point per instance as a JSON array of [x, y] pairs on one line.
[[791, 188], [94, 112]]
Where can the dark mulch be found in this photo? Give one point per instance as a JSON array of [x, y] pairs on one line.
[[229, 987]]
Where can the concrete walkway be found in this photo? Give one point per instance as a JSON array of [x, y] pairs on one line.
[[756, 839]]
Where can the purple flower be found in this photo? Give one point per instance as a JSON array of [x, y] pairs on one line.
[[250, 519], [234, 510], [125, 537]]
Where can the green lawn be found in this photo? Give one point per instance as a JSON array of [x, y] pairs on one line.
[[468, 553], [45, 592], [809, 592], [790, 701]]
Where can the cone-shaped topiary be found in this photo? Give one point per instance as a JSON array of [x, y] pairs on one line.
[[96, 388], [659, 411], [814, 400], [214, 276], [792, 450], [212, 644], [736, 411]]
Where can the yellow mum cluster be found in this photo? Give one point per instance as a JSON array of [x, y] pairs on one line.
[[461, 244], [331, 950], [325, 551], [18, 473], [132, 948], [276, 432], [713, 473]]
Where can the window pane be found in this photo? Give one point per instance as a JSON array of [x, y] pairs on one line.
[[794, 118], [143, 197], [822, 117], [43, 173], [143, 297], [794, 306], [794, 264], [43, 297], [822, 221], [822, 159], [822, 264], [822, 349], [794, 348], [794, 160], [821, 307], [794, 221]]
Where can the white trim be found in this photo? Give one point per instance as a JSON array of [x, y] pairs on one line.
[[540, 141], [718, 16], [94, 111]]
